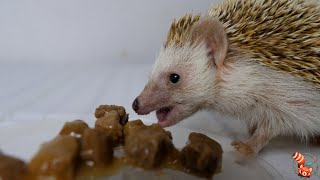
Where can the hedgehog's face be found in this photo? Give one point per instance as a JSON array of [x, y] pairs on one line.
[[183, 75], [178, 84]]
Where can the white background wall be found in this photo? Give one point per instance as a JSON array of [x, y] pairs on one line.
[[88, 30]]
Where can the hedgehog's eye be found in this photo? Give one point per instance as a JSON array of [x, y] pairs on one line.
[[174, 78]]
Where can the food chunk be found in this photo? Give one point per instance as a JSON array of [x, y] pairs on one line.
[[96, 147], [110, 125], [74, 128], [131, 127], [103, 109], [146, 146], [56, 159], [202, 155], [12, 168]]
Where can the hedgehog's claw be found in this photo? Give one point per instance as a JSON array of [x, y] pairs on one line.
[[243, 148]]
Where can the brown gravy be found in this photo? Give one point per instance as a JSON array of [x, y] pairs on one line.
[[85, 171]]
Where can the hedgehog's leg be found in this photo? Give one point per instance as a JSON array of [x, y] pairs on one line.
[[252, 129], [259, 138]]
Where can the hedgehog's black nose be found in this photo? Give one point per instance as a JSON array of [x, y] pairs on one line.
[[135, 105]]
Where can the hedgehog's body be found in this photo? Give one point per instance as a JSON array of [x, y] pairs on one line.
[[258, 60]]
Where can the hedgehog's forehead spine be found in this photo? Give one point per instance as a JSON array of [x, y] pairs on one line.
[[180, 30]]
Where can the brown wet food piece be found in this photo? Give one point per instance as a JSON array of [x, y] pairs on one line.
[[202, 155], [74, 128], [56, 158], [103, 109], [146, 146], [96, 147], [132, 126], [12, 168], [109, 124], [157, 127]]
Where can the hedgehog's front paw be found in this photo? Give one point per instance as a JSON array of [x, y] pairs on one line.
[[243, 148]]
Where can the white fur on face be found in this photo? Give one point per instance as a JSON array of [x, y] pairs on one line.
[[189, 61], [196, 77]]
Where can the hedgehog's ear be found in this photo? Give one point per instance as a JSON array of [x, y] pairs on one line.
[[212, 32]]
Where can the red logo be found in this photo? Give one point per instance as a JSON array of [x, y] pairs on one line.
[[303, 171]]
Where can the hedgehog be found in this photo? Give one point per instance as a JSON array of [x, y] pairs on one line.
[[256, 60]]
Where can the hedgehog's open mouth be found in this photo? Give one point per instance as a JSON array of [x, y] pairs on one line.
[[163, 113]]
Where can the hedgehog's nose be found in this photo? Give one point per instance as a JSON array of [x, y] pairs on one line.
[[135, 105]]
